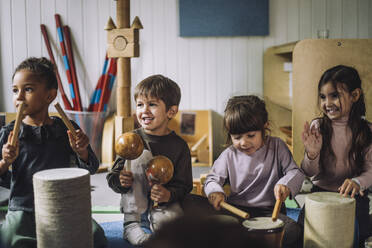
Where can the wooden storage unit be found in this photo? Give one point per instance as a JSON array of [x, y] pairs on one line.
[[277, 92], [310, 59], [195, 127]]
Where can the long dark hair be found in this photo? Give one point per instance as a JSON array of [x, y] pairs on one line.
[[348, 78], [244, 114]]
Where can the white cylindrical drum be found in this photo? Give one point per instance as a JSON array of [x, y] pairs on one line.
[[63, 208], [329, 220], [265, 231]]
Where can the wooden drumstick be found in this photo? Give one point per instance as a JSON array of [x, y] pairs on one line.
[[276, 210], [65, 119], [234, 210], [17, 124]]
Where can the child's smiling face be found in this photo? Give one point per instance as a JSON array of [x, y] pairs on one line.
[[248, 142], [336, 103], [153, 115], [28, 88]]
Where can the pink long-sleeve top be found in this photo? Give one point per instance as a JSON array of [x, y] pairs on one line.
[[337, 169], [253, 177]]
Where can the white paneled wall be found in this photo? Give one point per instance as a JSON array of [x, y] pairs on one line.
[[209, 70]]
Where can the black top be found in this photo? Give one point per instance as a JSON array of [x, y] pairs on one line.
[[173, 147], [40, 148]]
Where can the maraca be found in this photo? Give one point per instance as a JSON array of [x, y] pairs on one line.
[[159, 171], [129, 146]]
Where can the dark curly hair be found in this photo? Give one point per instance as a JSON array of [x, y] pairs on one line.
[[42, 68]]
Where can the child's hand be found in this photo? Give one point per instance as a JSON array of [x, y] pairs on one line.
[[215, 199], [281, 192], [159, 193], [79, 144], [350, 186], [9, 152], [126, 178], [312, 140]]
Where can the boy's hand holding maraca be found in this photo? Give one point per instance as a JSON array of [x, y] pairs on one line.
[[159, 193], [159, 171], [129, 146], [126, 178]]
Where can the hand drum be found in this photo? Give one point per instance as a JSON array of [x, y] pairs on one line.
[[129, 146], [160, 170]]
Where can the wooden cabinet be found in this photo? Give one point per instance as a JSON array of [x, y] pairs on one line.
[[278, 90], [293, 105]]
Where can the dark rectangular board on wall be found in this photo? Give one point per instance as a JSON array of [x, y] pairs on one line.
[[224, 17]]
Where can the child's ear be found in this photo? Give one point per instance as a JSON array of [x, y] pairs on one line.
[[355, 94], [172, 111], [52, 94]]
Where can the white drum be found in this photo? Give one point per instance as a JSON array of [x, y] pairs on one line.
[[265, 231], [329, 220], [63, 208]]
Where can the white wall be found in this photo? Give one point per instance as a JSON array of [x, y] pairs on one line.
[[208, 70]]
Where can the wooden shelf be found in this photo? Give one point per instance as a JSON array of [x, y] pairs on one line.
[[284, 102], [285, 48]]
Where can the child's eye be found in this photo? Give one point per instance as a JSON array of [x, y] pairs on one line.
[[29, 89], [139, 104], [15, 90], [153, 104], [251, 135], [236, 137], [321, 96], [334, 95]]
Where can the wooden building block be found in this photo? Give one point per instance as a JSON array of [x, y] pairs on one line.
[[123, 42]]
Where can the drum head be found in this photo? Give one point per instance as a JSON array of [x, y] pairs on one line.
[[265, 224], [224, 218]]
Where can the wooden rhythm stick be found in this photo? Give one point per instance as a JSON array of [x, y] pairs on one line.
[[17, 124], [65, 119], [276, 210], [234, 210]]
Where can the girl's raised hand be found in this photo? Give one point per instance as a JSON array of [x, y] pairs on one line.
[[281, 192], [215, 199], [312, 140], [9, 152], [350, 186], [79, 144]]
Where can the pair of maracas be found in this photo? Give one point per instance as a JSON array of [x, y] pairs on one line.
[[159, 170]]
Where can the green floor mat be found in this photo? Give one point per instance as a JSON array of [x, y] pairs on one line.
[[105, 210], [95, 209]]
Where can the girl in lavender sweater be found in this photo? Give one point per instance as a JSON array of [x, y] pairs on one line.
[[338, 151], [258, 167]]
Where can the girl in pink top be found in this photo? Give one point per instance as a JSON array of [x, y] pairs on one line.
[[338, 151]]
